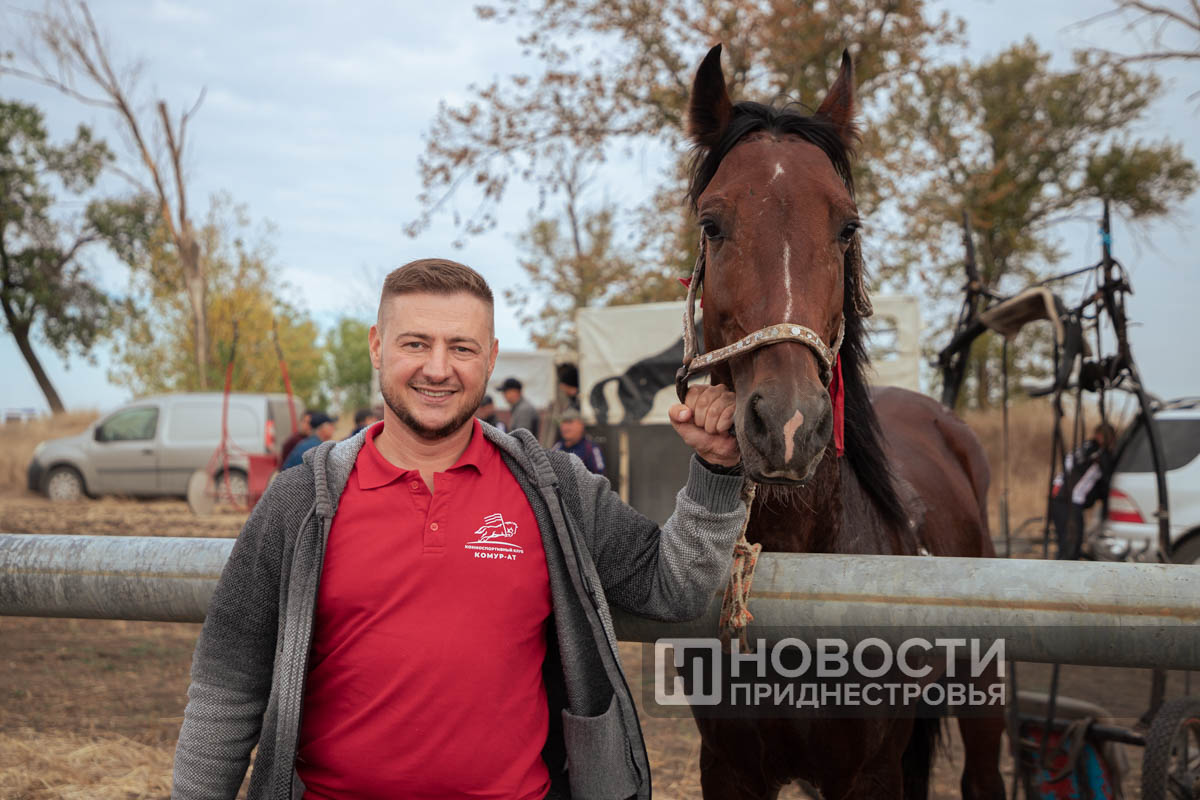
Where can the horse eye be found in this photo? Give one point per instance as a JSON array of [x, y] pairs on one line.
[[848, 232], [710, 229]]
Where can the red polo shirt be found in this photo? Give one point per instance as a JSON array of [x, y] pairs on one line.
[[425, 677]]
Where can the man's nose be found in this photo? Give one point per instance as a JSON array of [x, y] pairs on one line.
[[437, 366]]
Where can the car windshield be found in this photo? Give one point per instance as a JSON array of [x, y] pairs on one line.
[[1180, 439]]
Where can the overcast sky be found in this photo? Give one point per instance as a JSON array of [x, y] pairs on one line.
[[314, 118]]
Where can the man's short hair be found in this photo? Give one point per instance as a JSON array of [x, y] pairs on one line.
[[434, 276]]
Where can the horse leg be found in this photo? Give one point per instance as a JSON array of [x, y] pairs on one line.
[[722, 779], [882, 776], [981, 738]]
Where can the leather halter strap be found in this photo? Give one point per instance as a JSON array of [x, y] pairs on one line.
[[696, 363]]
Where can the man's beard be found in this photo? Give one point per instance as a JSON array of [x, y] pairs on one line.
[[425, 432]]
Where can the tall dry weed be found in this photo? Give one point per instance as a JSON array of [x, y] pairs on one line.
[[1030, 433], [18, 440]]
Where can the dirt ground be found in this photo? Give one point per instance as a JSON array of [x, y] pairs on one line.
[[91, 708]]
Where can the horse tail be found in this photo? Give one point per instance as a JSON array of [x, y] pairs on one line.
[[917, 761]]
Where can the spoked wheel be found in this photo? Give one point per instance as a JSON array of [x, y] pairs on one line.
[[1171, 765]]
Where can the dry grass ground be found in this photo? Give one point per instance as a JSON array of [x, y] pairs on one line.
[[91, 708]]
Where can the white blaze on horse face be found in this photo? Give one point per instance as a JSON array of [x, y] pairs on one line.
[[787, 281], [789, 436], [778, 172]]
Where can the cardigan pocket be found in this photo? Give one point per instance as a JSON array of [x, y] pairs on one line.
[[599, 764]]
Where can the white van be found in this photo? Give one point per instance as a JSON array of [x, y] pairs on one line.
[[151, 447]]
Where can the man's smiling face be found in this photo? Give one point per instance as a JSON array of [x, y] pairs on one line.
[[435, 354]]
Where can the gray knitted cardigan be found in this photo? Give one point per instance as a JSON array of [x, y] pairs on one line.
[[251, 660]]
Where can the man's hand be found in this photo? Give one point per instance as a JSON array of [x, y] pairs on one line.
[[703, 421]]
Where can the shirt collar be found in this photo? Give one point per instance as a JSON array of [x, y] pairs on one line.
[[374, 470]]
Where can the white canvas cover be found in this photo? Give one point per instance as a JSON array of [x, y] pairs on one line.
[[533, 368], [628, 356]]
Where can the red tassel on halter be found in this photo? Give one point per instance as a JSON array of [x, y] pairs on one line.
[[837, 396], [687, 284]]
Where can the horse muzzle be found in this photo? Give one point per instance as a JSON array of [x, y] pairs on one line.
[[783, 437]]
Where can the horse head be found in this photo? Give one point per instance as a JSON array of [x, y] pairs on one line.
[[772, 193]]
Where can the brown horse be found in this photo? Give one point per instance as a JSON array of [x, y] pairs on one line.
[[774, 197]]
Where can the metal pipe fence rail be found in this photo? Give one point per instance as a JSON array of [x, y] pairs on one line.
[[1101, 614]]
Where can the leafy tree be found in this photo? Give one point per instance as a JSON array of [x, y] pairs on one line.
[[44, 288], [1020, 147], [66, 50], [241, 290], [588, 100], [571, 262], [348, 367]]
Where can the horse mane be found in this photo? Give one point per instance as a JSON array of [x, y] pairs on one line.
[[864, 441]]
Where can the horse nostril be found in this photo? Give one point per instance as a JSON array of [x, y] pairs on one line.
[[757, 425]]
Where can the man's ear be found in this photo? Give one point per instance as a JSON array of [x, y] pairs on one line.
[[492, 359], [375, 347]]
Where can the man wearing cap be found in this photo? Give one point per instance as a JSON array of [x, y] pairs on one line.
[[321, 425], [523, 414], [573, 439], [423, 610]]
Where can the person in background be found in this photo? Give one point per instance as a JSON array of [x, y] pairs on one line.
[[568, 384], [573, 439], [302, 432], [524, 415], [1088, 472], [322, 431], [365, 418], [487, 413]]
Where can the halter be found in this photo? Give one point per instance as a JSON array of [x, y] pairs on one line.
[[695, 363]]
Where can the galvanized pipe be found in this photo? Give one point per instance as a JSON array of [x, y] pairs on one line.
[[169, 579], [1104, 614]]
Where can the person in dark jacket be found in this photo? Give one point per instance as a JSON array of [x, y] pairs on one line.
[[322, 431], [302, 432], [1086, 479], [573, 439], [523, 414], [364, 418]]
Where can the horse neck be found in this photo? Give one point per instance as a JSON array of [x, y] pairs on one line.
[[832, 513]]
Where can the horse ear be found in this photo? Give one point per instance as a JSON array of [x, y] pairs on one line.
[[838, 105], [710, 110]]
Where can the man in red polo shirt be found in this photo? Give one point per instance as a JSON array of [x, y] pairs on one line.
[[421, 611]]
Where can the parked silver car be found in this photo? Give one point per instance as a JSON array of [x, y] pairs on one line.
[[1130, 529], [151, 447]]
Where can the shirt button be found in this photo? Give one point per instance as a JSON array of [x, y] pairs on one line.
[[433, 526], [415, 485]]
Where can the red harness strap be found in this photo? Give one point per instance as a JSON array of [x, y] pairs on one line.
[[837, 396]]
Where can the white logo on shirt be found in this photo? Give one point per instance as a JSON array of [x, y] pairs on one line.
[[491, 539]]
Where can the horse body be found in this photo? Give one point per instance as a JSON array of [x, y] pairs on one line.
[[774, 197]]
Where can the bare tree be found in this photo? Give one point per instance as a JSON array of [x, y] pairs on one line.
[[1156, 24], [65, 50]]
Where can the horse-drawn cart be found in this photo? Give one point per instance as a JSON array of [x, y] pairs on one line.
[[1064, 747]]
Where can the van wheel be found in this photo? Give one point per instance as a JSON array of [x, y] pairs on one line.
[[64, 485], [235, 491]]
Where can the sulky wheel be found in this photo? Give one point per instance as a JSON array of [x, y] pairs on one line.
[[1171, 765]]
